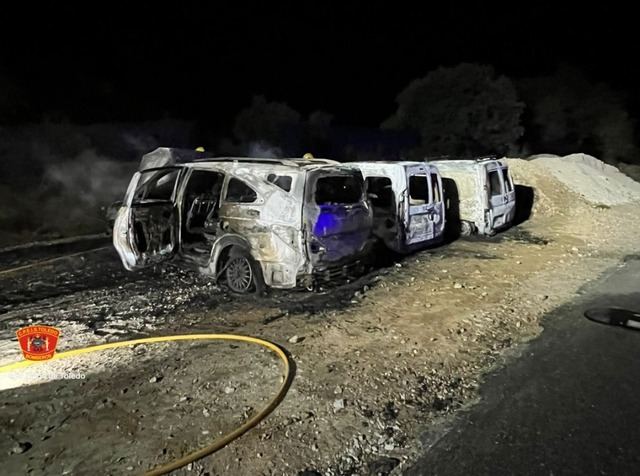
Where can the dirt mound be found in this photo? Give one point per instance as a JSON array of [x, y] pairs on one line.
[[550, 195], [592, 179]]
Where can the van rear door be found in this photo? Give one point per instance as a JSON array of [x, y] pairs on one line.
[[437, 200], [510, 195], [420, 225], [145, 228], [498, 196]]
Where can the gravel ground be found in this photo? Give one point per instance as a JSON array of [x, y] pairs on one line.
[[382, 363]]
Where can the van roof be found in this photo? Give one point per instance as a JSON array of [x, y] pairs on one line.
[[468, 162], [400, 163], [451, 158], [290, 162]]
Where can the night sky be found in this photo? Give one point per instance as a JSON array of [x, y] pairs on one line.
[[108, 63]]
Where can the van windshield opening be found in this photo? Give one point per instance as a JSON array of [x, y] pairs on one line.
[[338, 189]]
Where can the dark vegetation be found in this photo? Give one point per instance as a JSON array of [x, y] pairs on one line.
[[56, 177]]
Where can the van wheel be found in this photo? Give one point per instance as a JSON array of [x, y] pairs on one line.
[[467, 228], [242, 273]]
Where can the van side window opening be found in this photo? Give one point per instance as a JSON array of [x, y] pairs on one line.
[[436, 189], [156, 185], [338, 189], [282, 181], [380, 190], [495, 188], [507, 182], [240, 192], [418, 190]]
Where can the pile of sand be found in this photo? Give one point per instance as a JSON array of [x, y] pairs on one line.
[[572, 184], [550, 195], [592, 179]]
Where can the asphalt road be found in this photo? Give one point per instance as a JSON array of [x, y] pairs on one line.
[[568, 404]]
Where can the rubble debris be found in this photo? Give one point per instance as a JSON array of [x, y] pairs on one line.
[[382, 466], [21, 447], [339, 404]]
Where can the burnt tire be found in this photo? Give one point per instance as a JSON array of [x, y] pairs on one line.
[[243, 274], [467, 228]]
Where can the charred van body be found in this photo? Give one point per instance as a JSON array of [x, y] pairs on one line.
[[480, 194], [407, 202]]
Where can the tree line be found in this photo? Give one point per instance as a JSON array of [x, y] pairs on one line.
[[470, 110]]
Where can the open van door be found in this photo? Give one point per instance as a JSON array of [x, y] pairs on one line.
[[498, 195], [510, 194], [420, 225], [437, 202], [145, 230]]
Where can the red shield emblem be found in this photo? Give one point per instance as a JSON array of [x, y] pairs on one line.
[[38, 342]]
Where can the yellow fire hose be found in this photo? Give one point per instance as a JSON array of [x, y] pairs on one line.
[[223, 440]]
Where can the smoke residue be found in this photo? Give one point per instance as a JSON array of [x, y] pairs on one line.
[[57, 179], [87, 183], [263, 150], [91, 179]]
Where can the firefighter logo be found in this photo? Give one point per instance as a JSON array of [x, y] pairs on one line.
[[38, 342]]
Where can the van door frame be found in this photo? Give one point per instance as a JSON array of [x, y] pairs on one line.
[[419, 217], [498, 204], [438, 215], [180, 195], [510, 196]]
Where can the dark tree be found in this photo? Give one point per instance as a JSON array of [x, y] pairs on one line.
[[569, 113], [463, 110], [272, 124], [318, 136]]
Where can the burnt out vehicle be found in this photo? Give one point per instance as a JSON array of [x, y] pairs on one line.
[[407, 202], [480, 194], [251, 222]]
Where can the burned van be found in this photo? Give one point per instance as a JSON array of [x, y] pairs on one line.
[[480, 194], [407, 203], [251, 222]]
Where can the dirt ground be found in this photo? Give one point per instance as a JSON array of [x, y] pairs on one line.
[[382, 364]]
